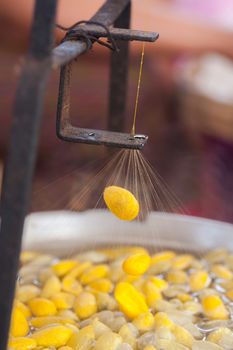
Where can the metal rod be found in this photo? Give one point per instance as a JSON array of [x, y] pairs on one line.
[[102, 137], [63, 102], [121, 33], [119, 77], [22, 154], [67, 132], [69, 50]]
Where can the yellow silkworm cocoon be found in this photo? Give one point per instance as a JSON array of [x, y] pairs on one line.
[[78, 270], [114, 253], [94, 273], [193, 307], [26, 256], [51, 286], [99, 328], [54, 335], [117, 274], [24, 308], [199, 280], [214, 308], [42, 307], [63, 267], [67, 314], [139, 284], [152, 293], [182, 336], [63, 300], [182, 262], [222, 272], [65, 348], [39, 322], [27, 292], [150, 347], [21, 343], [71, 285], [131, 302], [45, 274], [128, 334], [177, 277], [161, 319], [82, 339], [206, 345], [102, 285], [19, 325], [144, 322], [121, 202], [105, 301], [164, 256], [184, 297], [136, 264], [217, 335], [108, 341], [129, 278], [85, 305], [160, 283]]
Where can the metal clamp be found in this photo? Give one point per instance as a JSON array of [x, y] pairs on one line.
[[65, 130]]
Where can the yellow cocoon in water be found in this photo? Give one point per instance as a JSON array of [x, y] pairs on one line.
[[54, 335], [130, 301], [121, 203], [19, 324], [214, 308], [22, 343], [137, 264]]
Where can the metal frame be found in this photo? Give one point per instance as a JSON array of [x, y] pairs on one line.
[[22, 154], [19, 169], [118, 90]]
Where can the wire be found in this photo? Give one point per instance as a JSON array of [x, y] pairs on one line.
[[77, 32], [138, 90]]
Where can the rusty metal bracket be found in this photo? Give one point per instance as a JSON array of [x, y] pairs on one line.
[[67, 132]]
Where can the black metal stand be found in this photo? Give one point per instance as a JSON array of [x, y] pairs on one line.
[[22, 154]]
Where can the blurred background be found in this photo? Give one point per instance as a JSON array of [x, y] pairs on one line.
[[185, 106]]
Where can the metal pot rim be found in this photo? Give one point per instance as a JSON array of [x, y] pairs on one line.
[[64, 232]]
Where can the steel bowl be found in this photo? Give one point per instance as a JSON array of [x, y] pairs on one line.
[[65, 233]]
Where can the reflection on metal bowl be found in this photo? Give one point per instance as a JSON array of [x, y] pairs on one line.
[[64, 232]]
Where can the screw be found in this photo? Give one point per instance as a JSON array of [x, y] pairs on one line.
[[140, 137]]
